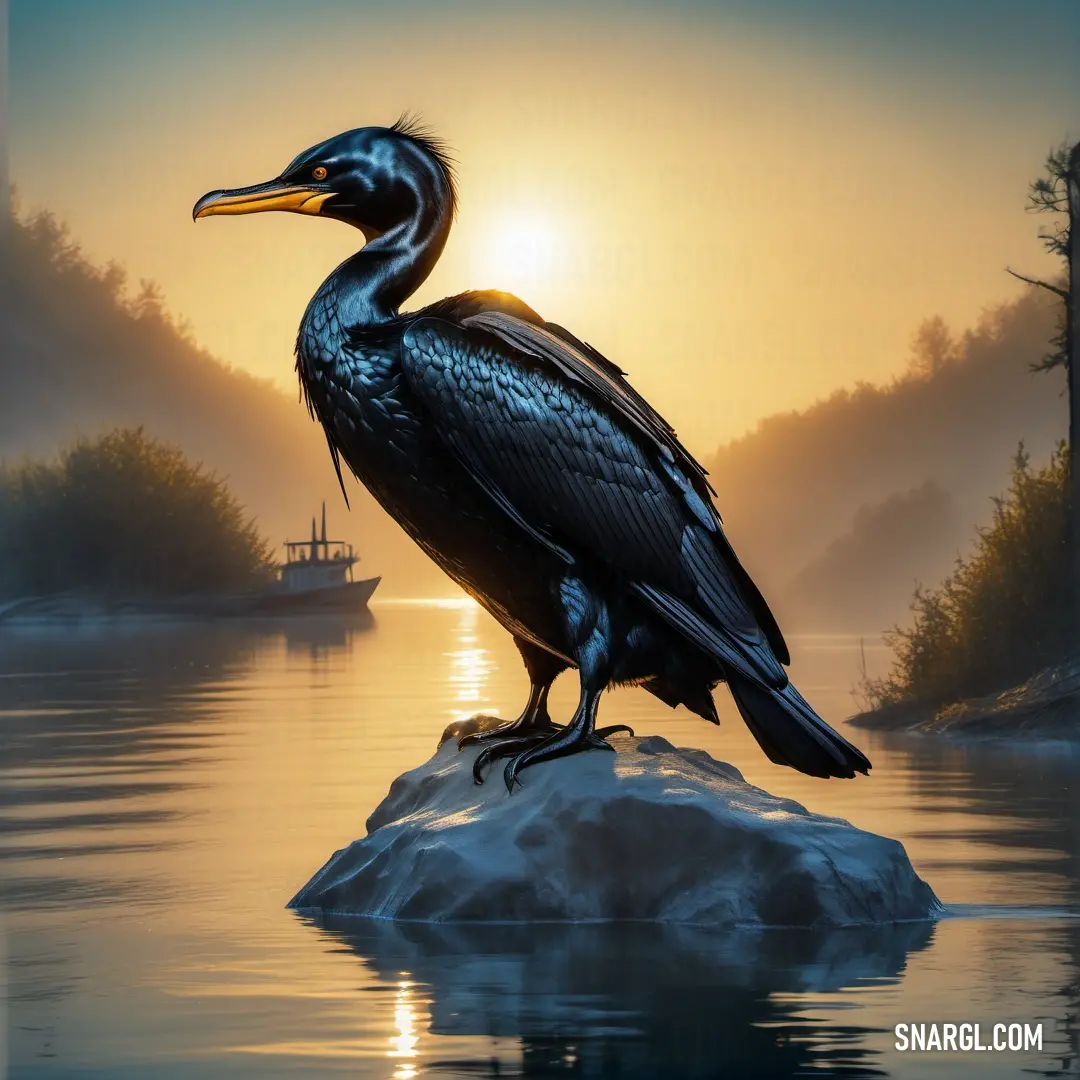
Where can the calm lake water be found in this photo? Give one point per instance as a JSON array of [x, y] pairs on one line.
[[165, 789]]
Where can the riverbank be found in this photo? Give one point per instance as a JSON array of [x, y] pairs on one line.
[[70, 608], [1047, 706], [349, 598]]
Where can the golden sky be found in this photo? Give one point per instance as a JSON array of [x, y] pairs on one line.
[[743, 210]]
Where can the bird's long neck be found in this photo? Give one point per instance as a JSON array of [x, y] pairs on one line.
[[370, 287]]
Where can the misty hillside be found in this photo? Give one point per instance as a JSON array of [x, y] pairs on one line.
[[79, 357], [836, 510], [801, 481], [863, 579]]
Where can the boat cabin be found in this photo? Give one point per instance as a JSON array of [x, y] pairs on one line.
[[317, 563]]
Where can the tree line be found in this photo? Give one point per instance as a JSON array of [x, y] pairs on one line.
[[1013, 606], [124, 514]]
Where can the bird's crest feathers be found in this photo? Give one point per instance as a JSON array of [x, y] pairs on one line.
[[413, 128]]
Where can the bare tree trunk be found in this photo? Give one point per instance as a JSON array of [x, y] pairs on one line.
[[5, 134], [1072, 347]]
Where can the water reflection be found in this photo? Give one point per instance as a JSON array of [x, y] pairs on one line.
[[405, 1041], [1010, 814], [100, 730], [638, 1001], [470, 666], [321, 637], [164, 790], [1011, 810]]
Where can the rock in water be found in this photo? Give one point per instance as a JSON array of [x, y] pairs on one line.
[[652, 832]]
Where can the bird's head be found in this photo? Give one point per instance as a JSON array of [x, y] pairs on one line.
[[373, 178]]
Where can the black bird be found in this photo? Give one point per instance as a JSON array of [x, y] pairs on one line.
[[527, 467]]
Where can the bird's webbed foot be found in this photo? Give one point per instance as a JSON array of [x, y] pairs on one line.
[[503, 748], [527, 724], [527, 738], [571, 740]]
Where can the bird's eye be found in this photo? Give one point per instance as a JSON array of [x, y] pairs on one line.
[[319, 172]]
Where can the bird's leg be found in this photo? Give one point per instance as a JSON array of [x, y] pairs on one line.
[[578, 735], [531, 727], [589, 628], [509, 746], [534, 723], [533, 719]]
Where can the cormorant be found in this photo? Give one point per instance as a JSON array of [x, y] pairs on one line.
[[527, 467]]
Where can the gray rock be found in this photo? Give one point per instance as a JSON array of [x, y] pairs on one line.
[[652, 833]]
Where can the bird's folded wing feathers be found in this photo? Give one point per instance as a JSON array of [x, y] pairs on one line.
[[585, 473], [583, 364], [588, 366]]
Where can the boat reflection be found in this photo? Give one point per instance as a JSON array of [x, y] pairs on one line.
[[321, 636], [629, 1000]]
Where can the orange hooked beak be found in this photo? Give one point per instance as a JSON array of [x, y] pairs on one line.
[[273, 195]]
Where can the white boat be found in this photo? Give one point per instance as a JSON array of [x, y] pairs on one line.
[[317, 576]]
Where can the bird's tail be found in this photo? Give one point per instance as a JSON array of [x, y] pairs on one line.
[[791, 733], [696, 696]]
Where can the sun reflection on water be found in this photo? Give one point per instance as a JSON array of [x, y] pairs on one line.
[[404, 1043], [470, 665]]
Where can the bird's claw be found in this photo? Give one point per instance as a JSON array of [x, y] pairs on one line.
[[604, 732], [510, 775], [526, 745], [597, 742], [513, 729], [504, 748], [557, 745], [514, 765]]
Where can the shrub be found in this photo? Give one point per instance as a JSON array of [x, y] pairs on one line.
[[1003, 613], [124, 514]]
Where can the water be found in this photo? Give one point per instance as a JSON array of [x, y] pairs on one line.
[[164, 791]]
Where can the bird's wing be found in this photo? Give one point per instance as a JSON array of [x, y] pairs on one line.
[[584, 464], [609, 380], [582, 363]]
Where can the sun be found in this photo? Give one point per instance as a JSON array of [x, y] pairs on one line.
[[519, 251]]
